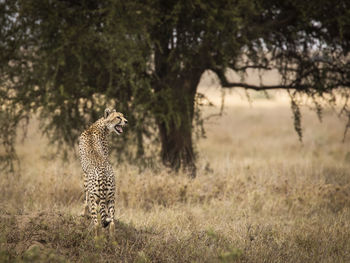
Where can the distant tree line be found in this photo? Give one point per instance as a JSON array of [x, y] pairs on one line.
[[66, 60]]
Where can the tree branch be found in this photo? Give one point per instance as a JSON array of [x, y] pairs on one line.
[[262, 87], [244, 68], [227, 84]]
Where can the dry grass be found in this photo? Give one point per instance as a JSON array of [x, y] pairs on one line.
[[260, 196]]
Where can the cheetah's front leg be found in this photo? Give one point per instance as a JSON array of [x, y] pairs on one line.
[[111, 212], [93, 206], [86, 212]]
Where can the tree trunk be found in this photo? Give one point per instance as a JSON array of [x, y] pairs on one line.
[[176, 130], [175, 87]]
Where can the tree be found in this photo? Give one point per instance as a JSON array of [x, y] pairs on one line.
[[150, 56], [65, 61]]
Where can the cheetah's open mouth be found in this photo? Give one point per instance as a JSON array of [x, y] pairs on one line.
[[118, 128]]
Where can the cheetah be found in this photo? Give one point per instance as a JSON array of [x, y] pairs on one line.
[[99, 181]]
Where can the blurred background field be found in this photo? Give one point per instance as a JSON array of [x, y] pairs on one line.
[[260, 195], [209, 169]]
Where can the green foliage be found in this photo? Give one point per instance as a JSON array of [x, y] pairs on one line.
[[297, 118], [65, 61]]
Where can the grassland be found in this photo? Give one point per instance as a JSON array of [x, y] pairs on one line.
[[260, 196]]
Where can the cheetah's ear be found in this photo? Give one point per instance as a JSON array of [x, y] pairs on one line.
[[108, 111]]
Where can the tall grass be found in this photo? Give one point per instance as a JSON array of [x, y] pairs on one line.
[[260, 196]]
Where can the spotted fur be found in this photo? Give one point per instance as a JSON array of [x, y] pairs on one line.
[[99, 180]]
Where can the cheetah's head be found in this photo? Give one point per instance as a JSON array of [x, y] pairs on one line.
[[115, 121]]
